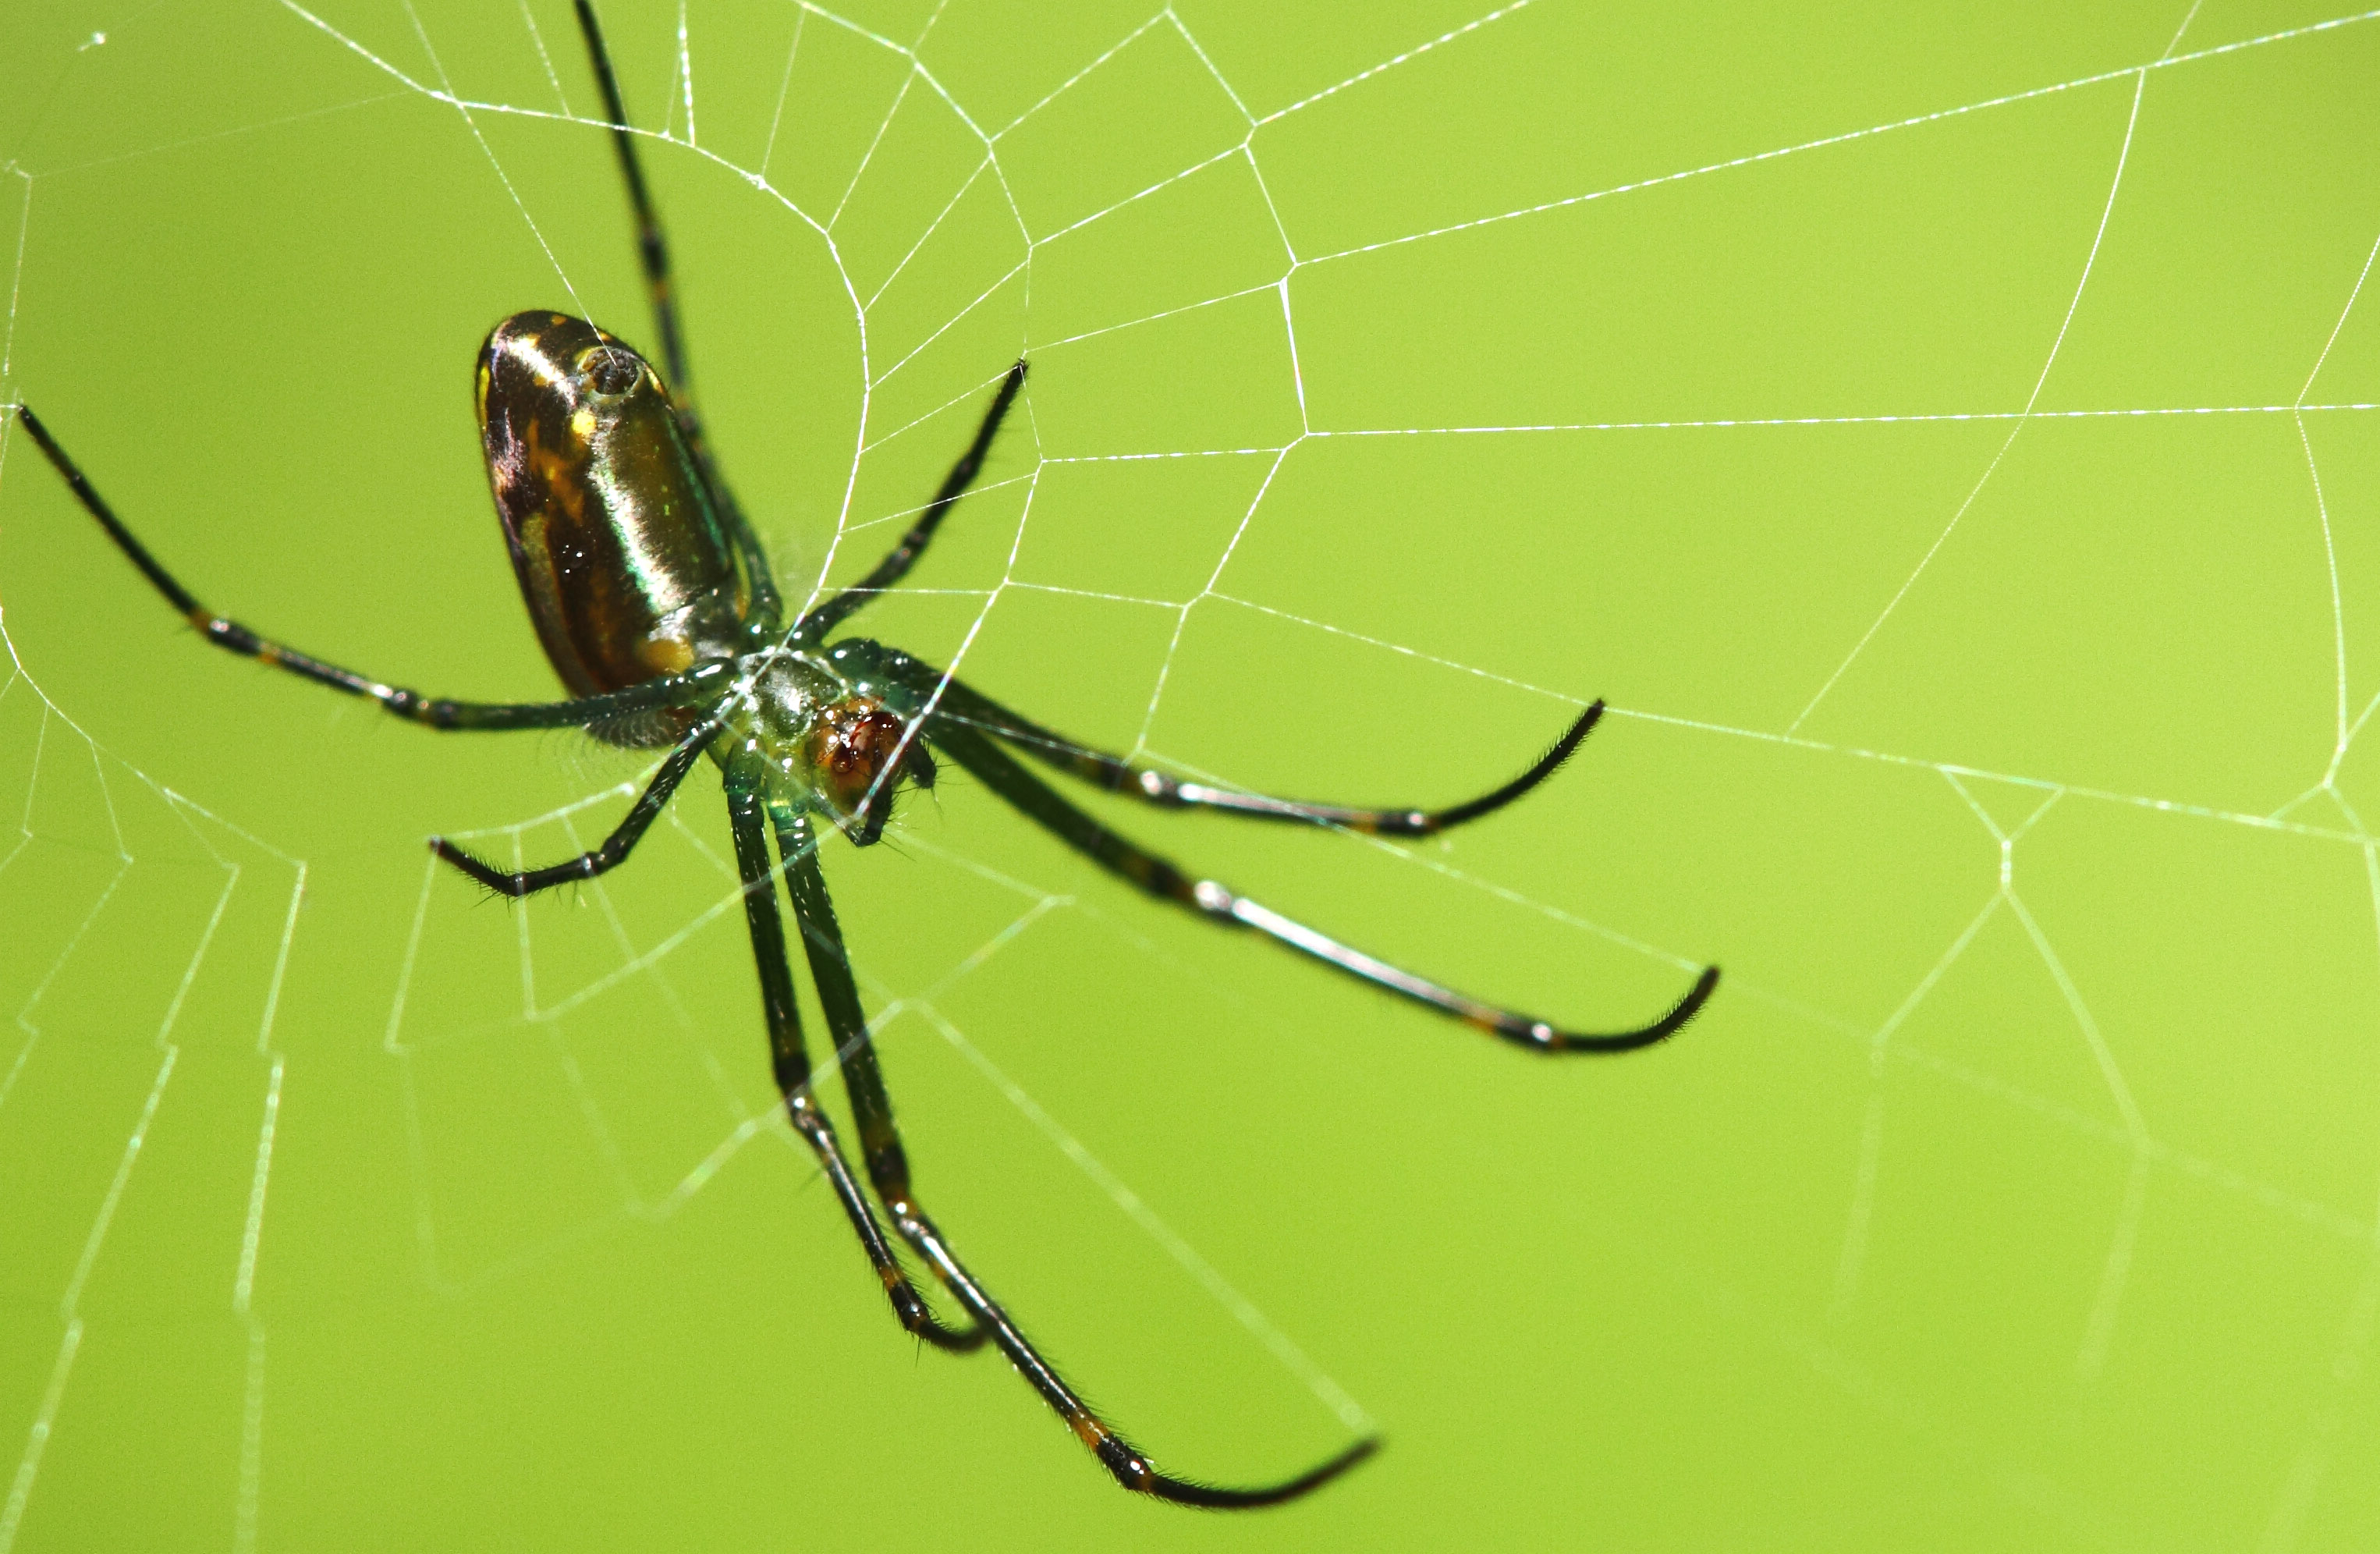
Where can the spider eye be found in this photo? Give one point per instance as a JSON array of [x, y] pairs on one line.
[[608, 371]]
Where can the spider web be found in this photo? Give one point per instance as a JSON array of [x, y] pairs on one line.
[[1948, 443]]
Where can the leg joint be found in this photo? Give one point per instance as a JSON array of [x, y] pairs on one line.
[[230, 634], [1131, 1469]]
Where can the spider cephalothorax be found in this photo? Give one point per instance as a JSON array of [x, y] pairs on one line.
[[823, 741], [654, 602], [851, 751]]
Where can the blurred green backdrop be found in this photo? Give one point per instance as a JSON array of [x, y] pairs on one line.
[[1945, 434]]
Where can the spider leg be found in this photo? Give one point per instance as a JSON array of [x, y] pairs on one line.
[[871, 1105], [961, 702], [895, 565], [653, 256], [616, 847], [888, 1168], [1161, 878], [792, 1066], [701, 683]]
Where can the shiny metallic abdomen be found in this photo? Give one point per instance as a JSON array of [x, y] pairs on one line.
[[628, 567]]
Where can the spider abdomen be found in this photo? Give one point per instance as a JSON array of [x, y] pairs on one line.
[[627, 568]]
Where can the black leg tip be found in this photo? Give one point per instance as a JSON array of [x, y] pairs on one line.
[[1704, 985], [1578, 729], [1429, 824], [1538, 1037], [1685, 1008], [498, 880], [1133, 1472]]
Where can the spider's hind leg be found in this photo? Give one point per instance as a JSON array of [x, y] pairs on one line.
[[435, 712], [660, 290], [615, 849], [814, 627]]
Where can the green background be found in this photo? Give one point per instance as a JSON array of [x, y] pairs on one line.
[[2017, 1190]]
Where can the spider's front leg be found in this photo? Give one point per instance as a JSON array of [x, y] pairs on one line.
[[791, 1063], [959, 702], [888, 1168], [1160, 877], [972, 730]]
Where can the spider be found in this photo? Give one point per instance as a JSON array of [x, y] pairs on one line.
[[655, 603]]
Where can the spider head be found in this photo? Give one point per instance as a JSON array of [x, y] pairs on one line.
[[836, 745], [855, 756]]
